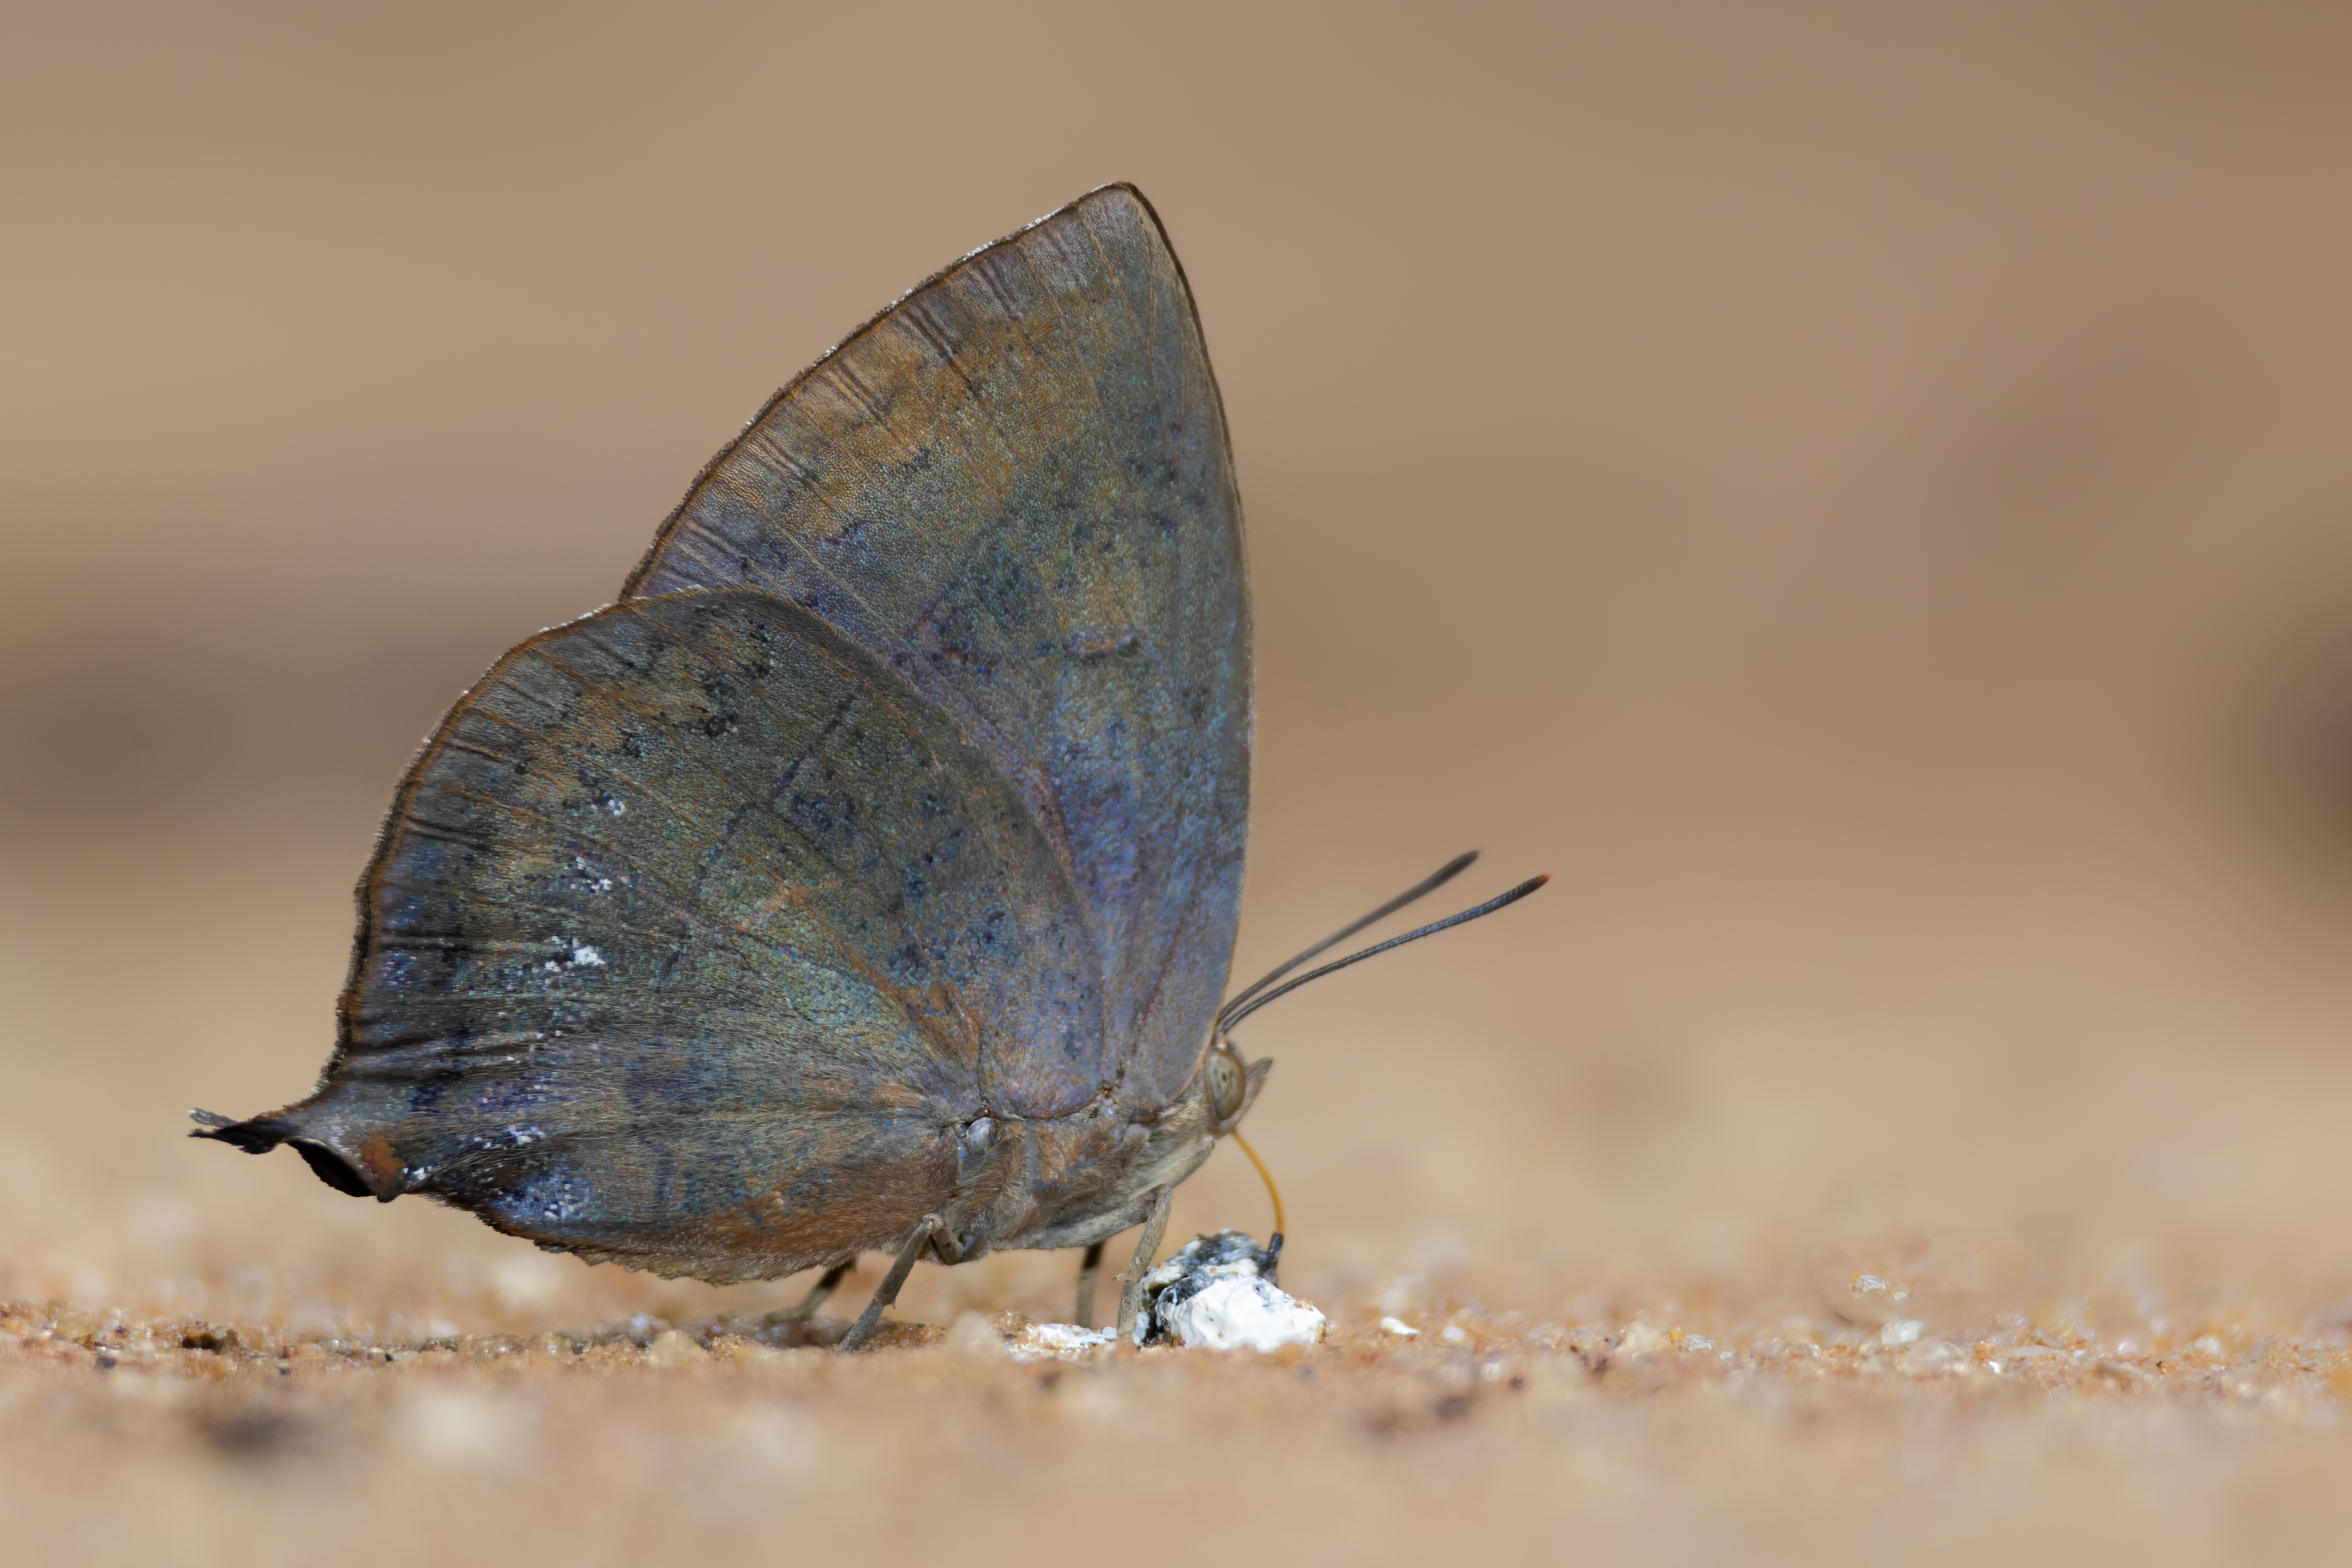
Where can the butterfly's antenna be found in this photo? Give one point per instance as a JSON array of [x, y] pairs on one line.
[[1429, 884], [1488, 908], [1267, 1177]]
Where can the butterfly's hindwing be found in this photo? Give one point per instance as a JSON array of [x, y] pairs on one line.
[[691, 907]]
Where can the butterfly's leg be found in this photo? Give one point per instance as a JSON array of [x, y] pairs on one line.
[[801, 1311], [1130, 1288], [1087, 1269], [927, 1229]]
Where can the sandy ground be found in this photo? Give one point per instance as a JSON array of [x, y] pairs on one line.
[[1678, 1435], [1859, 494]]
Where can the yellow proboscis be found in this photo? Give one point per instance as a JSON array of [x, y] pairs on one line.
[[1267, 1177]]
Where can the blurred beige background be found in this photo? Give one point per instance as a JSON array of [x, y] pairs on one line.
[[1862, 494]]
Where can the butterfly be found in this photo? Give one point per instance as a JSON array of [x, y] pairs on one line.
[[867, 877]]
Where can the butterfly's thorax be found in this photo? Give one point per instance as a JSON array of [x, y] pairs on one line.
[[1071, 1179], [1074, 1180]]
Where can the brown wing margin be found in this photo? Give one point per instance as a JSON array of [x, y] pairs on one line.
[[662, 535]]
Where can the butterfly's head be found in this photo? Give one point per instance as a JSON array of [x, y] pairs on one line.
[[1230, 1087]]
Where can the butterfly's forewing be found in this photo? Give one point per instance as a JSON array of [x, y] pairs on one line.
[[1014, 489], [693, 934]]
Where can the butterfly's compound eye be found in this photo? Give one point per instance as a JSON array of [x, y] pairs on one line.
[[1228, 1082]]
